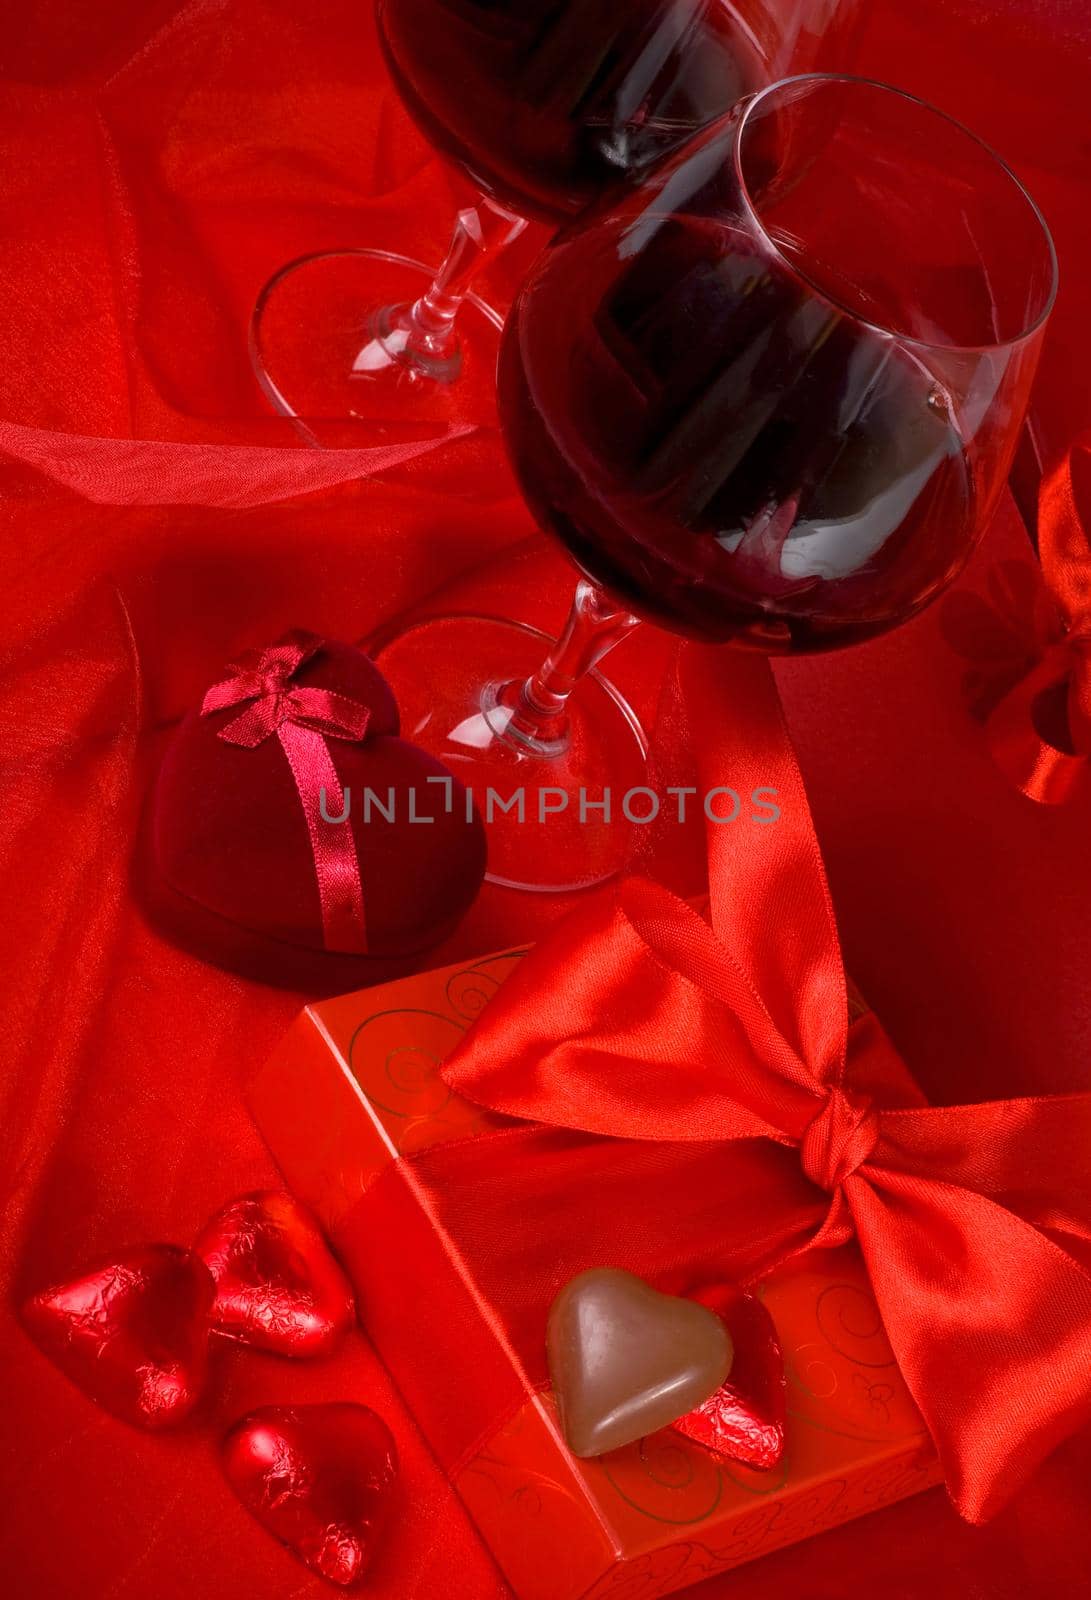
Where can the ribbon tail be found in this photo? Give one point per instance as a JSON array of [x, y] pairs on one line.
[[767, 875], [1063, 543], [990, 1322], [1044, 766], [337, 868], [1030, 1153], [328, 713], [256, 724]]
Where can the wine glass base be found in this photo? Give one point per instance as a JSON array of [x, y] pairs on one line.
[[327, 344], [544, 816]]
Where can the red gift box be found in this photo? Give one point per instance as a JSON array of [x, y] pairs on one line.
[[695, 1101], [352, 1092]]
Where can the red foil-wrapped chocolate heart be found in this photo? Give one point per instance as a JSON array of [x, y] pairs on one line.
[[133, 1334], [745, 1419], [319, 1478], [277, 1285]]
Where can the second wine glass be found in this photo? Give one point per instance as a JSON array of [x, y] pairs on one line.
[[543, 104]]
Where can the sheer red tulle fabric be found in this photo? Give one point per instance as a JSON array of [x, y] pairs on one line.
[[161, 159]]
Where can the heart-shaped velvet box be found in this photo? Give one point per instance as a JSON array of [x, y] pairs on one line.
[[295, 837]]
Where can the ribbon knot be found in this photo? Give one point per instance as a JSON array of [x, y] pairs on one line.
[[281, 705], [303, 717], [275, 677], [839, 1140], [264, 679]]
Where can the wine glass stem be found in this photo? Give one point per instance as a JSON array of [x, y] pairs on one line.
[[481, 232], [537, 704]]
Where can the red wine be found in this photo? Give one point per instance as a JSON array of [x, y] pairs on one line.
[[720, 447], [548, 102]]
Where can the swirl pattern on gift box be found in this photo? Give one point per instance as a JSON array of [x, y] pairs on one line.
[[470, 990], [767, 1528], [666, 1479], [844, 1380], [849, 1319], [401, 1076], [636, 1020]]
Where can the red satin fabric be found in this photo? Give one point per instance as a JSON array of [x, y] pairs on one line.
[[162, 158], [1040, 732], [634, 1018], [302, 719]]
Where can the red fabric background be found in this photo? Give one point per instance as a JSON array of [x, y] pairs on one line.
[[160, 160]]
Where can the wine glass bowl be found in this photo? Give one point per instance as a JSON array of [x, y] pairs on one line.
[[771, 395], [766, 394], [543, 104], [547, 104]]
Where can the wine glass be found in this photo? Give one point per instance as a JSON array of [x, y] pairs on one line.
[[769, 397], [543, 103]]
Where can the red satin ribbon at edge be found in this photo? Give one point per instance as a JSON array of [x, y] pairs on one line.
[[736, 1119], [1047, 765], [302, 718]]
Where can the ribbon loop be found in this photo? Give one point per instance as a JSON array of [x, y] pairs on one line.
[[1039, 732], [262, 673], [840, 1140]]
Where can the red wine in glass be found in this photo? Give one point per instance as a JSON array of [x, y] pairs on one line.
[[722, 450], [765, 395], [546, 103]]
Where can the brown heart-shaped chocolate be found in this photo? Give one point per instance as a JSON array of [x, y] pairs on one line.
[[626, 1361]]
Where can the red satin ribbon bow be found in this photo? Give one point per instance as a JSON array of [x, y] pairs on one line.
[[303, 718], [636, 1019], [1040, 733]]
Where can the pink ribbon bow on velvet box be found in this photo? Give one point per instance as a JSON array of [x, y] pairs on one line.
[[303, 718]]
